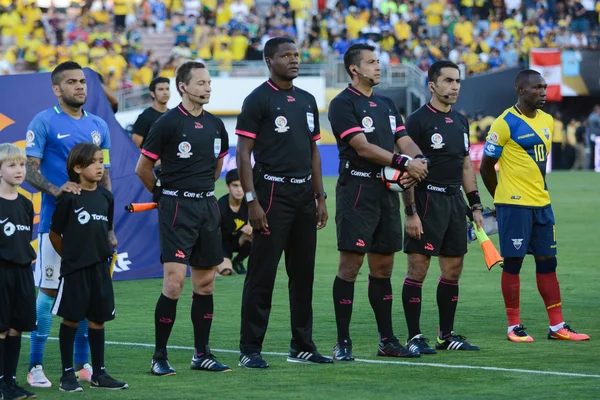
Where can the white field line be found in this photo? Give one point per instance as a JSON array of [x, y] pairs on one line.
[[410, 363]]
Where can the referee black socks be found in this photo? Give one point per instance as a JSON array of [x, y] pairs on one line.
[[343, 298], [202, 316], [447, 300], [411, 301], [380, 297], [164, 318]]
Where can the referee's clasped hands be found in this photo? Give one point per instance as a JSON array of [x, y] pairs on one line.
[[417, 171]]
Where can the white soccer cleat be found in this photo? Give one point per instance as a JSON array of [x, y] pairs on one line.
[[37, 378]]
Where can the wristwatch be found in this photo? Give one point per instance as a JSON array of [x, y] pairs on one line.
[[250, 196], [319, 195], [477, 207], [410, 209]]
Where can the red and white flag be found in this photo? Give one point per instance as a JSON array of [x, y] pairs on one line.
[[547, 62]]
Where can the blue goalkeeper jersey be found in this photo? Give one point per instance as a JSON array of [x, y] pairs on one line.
[[50, 137]]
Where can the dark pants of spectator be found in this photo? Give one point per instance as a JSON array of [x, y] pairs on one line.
[[119, 21], [579, 163], [557, 155], [592, 154]]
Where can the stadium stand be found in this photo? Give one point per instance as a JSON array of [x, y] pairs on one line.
[[131, 41]]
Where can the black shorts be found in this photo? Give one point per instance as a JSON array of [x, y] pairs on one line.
[[86, 293], [444, 220], [367, 216], [190, 231], [230, 246], [17, 296]]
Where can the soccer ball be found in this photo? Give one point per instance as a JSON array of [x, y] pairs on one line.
[[394, 179]]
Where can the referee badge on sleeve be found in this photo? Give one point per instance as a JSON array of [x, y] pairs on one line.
[[310, 119], [393, 123], [466, 141], [217, 147]]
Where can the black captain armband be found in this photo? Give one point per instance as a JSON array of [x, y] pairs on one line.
[[400, 161], [473, 198]]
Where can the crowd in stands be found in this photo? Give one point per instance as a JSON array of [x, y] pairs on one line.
[[107, 36]]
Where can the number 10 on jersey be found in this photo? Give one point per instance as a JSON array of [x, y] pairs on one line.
[[540, 152]]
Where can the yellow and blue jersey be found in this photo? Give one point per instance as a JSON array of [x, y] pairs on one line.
[[521, 145], [50, 137]]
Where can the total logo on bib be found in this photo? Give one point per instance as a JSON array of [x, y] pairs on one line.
[[437, 140], [185, 150], [367, 123], [281, 123]]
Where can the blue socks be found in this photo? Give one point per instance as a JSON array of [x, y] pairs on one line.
[[43, 309], [82, 347]]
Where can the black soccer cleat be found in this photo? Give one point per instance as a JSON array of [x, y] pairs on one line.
[[342, 351], [455, 342], [27, 393], [207, 362], [105, 381], [308, 357], [419, 344], [252, 361], [69, 383], [11, 392], [395, 349], [160, 365]]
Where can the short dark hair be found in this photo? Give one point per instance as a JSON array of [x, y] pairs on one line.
[[82, 155], [184, 73], [156, 81], [273, 44], [435, 71], [524, 75], [353, 55], [62, 67], [232, 175]]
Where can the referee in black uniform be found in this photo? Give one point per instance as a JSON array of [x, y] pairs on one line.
[[191, 144], [436, 211], [160, 93], [367, 127], [280, 123]]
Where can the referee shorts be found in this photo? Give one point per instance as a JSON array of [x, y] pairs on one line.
[[190, 230], [444, 219], [367, 216]]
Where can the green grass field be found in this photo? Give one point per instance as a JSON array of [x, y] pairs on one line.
[[501, 369]]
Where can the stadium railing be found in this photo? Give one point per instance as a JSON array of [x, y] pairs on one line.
[[402, 77]]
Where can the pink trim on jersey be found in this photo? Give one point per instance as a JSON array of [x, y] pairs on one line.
[[181, 109], [272, 86], [349, 131], [150, 154], [223, 154], [315, 138], [431, 108], [354, 91], [400, 128], [245, 133]]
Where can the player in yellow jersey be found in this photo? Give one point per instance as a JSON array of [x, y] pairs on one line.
[[519, 140]]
